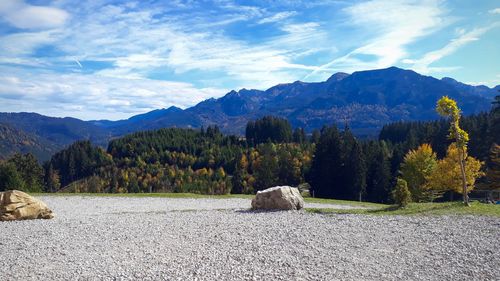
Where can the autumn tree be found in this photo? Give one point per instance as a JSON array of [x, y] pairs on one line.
[[416, 168], [448, 108], [240, 182], [447, 174]]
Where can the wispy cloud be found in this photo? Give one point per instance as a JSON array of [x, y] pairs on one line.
[[394, 24], [110, 58], [277, 17], [494, 11], [137, 42], [423, 64]]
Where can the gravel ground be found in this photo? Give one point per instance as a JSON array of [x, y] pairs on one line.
[[111, 238]]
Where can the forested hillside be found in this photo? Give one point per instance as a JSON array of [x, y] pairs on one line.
[[366, 100], [13, 141], [332, 161], [43, 136]]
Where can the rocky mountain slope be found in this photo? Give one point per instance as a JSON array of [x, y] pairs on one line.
[[364, 100]]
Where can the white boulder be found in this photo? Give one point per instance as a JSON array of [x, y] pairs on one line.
[[278, 198]]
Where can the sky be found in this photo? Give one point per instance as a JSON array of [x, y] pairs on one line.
[[100, 59]]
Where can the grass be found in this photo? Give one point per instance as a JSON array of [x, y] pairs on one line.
[[426, 209], [155, 195], [345, 202]]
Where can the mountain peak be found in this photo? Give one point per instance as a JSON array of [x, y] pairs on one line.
[[449, 80], [173, 108], [337, 77]]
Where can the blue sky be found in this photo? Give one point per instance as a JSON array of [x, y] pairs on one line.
[[101, 59]]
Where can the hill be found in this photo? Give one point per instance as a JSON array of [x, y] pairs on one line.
[[365, 100], [13, 140], [43, 135]]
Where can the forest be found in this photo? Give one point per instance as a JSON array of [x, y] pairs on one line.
[[329, 163]]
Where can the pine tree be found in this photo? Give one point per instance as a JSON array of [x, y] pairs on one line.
[[326, 164], [378, 179], [30, 171], [52, 179], [10, 178], [493, 168], [357, 172]]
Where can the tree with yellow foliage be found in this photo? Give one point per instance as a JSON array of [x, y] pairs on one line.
[[448, 108], [447, 175], [417, 166]]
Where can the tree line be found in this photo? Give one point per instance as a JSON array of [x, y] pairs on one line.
[[332, 161]]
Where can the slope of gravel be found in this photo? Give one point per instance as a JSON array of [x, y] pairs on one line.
[[103, 238]]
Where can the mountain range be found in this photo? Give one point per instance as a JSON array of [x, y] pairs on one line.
[[363, 100]]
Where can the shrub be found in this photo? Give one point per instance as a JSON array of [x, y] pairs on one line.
[[401, 194]]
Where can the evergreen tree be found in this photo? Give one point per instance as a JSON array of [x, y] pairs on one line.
[[326, 164], [315, 136], [356, 171], [299, 135], [52, 179], [30, 171], [269, 128], [494, 121], [378, 179], [493, 168], [10, 178], [266, 168]]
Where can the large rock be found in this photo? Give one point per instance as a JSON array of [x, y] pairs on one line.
[[278, 198], [17, 205]]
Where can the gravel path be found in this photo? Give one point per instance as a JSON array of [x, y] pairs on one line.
[[112, 238]]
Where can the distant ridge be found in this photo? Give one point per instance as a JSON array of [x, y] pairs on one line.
[[364, 100]]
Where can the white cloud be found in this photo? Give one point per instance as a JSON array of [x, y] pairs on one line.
[[25, 16], [94, 96], [301, 27], [277, 17], [135, 41], [139, 41], [392, 26], [423, 64], [25, 43], [494, 11]]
